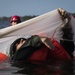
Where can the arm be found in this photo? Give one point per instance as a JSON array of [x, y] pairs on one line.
[[36, 42], [48, 42]]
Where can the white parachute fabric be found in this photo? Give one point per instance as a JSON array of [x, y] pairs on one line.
[[43, 24], [48, 24]]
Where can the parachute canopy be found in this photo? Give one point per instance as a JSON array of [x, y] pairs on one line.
[[48, 24]]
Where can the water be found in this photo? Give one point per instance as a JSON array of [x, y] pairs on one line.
[[47, 67], [4, 24], [41, 68]]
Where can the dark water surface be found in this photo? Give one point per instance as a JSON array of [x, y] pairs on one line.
[[38, 67], [4, 24]]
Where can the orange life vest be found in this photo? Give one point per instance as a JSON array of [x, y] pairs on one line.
[[59, 53]]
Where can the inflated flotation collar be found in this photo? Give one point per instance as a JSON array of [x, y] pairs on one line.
[[3, 57]]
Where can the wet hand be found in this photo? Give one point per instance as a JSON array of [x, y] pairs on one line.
[[18, 45]]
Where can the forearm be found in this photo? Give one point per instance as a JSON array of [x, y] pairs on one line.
[[48, 43]]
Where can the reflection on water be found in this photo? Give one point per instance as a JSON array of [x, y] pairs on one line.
[[38, 67]]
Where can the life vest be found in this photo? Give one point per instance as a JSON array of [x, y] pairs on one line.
[[3, 57], [34, 49], [39, 52], [59, 53]]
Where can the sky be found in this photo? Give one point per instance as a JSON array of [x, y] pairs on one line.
[[33, 7]]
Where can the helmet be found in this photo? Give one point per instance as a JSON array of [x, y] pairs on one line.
[[15, 18]]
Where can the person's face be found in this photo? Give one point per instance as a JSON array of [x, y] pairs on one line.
[[13, 23]]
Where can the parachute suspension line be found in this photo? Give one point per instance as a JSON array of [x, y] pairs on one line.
[[65, 39], [60, 38], [57, 29]]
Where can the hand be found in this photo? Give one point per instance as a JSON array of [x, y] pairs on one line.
[[18, 45], [65, 15], [48, 43]]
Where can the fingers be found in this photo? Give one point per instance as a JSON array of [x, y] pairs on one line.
[[65, 15], [62, 11], [43, 39], [22, 41], [18, 45]]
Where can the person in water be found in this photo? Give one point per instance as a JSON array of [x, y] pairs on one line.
[[22, 48], [15, 20], [67, 32], [37, 48]]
